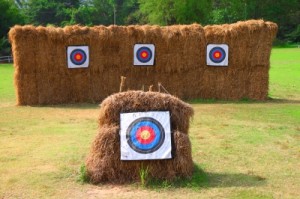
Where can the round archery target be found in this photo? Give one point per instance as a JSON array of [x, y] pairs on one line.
[[144, 54], [145, 135], [78, 57], [217, 55]]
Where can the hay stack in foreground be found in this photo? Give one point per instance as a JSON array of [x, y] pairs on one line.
[[104, 164]]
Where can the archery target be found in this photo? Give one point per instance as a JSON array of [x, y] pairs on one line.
[[144, 54], [145, 135], [217, 55], [78, 56]]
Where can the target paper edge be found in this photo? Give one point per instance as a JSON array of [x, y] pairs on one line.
[[85, 49], [136, 61], [163, 152], [210, 62]]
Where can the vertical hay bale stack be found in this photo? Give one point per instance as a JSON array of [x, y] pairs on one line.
[[103, 163], [247, 74], [42, 75]]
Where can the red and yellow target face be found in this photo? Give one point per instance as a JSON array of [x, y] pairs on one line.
[[78, 57], [217, 55], [145, 135]]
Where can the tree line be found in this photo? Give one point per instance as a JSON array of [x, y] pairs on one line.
[[286, 13]]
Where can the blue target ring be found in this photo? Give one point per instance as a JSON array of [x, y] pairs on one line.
[[156, 135], [217, 54], [78, 57], [144, 54]]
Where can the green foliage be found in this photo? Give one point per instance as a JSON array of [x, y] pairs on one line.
[[294, 36], [144, 175], [43, 12], [107, 10], [167, 12], [9, 16], [83, 177], [162, 12]]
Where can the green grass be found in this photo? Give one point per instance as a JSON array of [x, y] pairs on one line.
[[7, 93], [285, 73], [244, 149]]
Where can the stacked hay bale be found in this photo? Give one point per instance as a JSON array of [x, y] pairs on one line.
[[247, 74], [42, 75], [103, 163]]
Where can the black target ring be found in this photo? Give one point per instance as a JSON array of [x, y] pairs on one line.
[[217, 54], [153, 143], [78, 57], [144, 54]]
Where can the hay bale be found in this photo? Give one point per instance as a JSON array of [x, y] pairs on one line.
[[103, 163], [250, 44], [180, 61], [134, 101]]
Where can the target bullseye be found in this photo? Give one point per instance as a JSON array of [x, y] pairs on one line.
[[145, 135], [78, 56], [217, 55], [144, 54]]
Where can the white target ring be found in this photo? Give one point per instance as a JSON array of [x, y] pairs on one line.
[[217, 55], [145, 135], [78, 56], [143, 54]]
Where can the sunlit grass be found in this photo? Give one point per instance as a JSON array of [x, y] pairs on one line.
[[243, 149]]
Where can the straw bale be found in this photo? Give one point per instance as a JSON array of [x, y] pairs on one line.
[[250, 44], [27, 88], [104, 165], [180, 60], [134, 101]]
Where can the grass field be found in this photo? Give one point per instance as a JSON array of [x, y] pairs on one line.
[[242, 149]]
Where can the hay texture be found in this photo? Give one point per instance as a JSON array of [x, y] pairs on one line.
[[42, 75], [103, 163]]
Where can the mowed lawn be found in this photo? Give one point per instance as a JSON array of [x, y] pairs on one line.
[[242, 149]]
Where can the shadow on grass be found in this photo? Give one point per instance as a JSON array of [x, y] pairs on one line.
[[202, 180]]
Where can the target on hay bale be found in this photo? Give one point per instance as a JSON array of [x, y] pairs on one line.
[[144, 54], [145, 135], [78, 56], [217, 55]]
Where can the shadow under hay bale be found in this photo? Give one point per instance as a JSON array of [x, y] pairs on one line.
[[103, 163]]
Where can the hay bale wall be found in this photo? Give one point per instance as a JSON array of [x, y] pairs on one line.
[[42, 75], [103, 163]]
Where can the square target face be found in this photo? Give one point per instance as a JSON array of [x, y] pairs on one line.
[[145, 135], [143, 54], [78, 56], [217, 55]]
